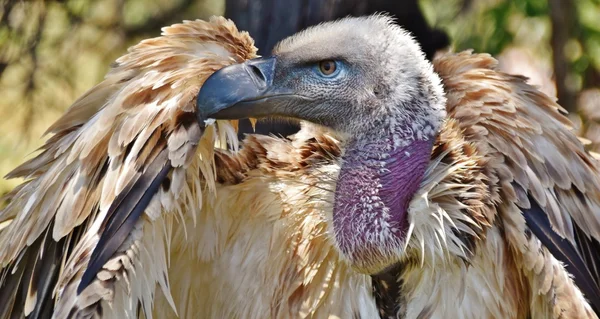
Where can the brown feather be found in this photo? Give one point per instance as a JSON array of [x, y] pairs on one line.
[[112, 132], [544, 160]]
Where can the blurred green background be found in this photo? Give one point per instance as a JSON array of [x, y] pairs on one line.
[[52, 51]]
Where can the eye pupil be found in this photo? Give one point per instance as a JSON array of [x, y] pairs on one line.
[[327, 67]]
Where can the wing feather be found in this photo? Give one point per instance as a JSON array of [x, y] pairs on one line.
[[542, 166], [123, 215], [96, 183], [564, 251]]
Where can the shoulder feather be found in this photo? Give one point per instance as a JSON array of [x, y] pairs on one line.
[[532, 150], [121, 150]]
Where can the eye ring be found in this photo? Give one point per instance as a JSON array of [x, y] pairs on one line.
[[328, 68]]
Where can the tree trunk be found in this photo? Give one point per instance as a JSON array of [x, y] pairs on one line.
[[562, 16], [269, 21]]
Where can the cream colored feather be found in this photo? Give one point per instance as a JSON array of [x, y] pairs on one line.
[[107, 138]]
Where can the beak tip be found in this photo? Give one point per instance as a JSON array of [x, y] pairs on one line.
[[215, 94]]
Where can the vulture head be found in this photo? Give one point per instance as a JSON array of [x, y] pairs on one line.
[[368, 80]]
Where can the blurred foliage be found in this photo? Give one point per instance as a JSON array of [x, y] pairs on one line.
[[53, 51], [556, 43], [493, 25]]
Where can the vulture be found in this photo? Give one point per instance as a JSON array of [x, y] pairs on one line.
[[415, 189]]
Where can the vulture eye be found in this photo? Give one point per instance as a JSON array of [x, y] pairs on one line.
[[327, 68]]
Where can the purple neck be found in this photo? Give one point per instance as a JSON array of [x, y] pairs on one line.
[[375, 185]]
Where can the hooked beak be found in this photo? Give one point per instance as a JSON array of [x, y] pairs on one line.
[[240, 91]]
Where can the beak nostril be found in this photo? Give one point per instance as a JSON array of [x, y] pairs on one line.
[[257, 72]]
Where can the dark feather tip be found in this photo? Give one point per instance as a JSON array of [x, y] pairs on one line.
[[386, 290], [562, 249], [123, 214]]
